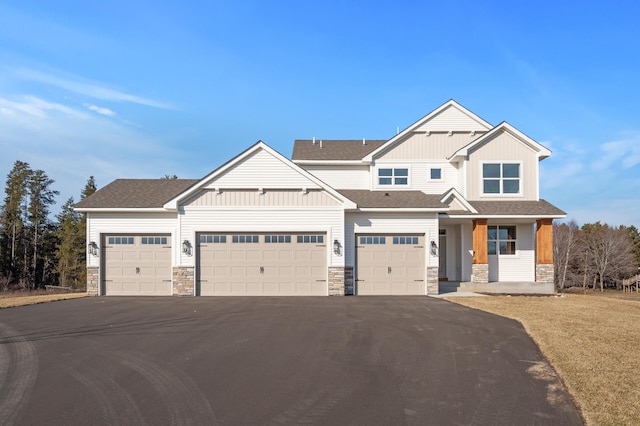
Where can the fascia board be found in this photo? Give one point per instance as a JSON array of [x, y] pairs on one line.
[[124, 210], [485, 216], [401, 210]]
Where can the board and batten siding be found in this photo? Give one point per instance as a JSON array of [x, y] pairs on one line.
[[390, 223], [452, 119], [263, 170], [263, 219], [342, 177], [435, 146], [420, 176], [131, 224], [521, 266], [292, 197], [504, 148]]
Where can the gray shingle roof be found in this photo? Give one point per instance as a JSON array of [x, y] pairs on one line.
[[333, 149], [516, 208], [393, 199], [136, 193]]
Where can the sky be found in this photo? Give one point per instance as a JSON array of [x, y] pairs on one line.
[[142, 89]]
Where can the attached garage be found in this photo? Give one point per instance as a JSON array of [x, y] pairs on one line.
[[390, 264], [137, 265], [259, 264]]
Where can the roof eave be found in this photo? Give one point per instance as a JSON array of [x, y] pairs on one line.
[[123, 209]]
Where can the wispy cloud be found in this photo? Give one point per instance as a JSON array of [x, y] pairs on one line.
[[86, 88], [100, 110]]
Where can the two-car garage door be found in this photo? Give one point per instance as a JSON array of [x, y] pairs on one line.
[[259, 264]]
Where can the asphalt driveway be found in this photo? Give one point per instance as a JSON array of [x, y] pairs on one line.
[[244, 361]]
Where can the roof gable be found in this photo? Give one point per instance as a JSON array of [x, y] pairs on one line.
[[260, 166], [449, 117], [504, 127]]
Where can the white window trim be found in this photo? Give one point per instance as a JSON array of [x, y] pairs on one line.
[[519, 194], [392, 167], [516, 255], [430, 179]]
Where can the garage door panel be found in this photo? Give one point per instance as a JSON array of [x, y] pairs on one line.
[[136, 268], [272, 264], [388, 264]]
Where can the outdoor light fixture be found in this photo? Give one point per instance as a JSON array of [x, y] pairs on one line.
[[186, 247], [93, 248], [434, 248], [336, 247]]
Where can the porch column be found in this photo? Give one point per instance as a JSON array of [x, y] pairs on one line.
[[480, 263], [544, 251]]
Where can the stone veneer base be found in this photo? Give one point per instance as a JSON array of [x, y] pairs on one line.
[[184, 281], [480, 273], [93, 280], [433, 284], [545, 273]]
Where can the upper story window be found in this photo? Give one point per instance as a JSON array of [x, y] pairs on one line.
[[395, 176], [436, 174], [501, 178]]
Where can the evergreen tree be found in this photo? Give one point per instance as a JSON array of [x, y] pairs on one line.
[[89, 188], [70, 252], [12, 255]]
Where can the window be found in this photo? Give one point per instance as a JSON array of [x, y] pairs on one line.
[[393, 176], [436, 174], [216, 239], [245, 239], [501, 240], [373, 240], [154, 240], [120, 240], [277, 238], [501, 178], [311, 239], [405, 240]]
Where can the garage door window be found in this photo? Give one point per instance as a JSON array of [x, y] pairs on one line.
[[311, 239], [154, 240], [120, 240], [245, 239], [405, 240], [216, 239], [373, 240], [277, 238]]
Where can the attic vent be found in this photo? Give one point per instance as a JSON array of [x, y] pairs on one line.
[[320, 143], [364, 142], [314, 141]]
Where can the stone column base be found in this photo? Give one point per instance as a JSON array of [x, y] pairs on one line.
[[184, 281], [433, 284], [545, 273], [337, 280], [480, 273], [93, 280]]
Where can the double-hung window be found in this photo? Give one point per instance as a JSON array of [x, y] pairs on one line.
[[393, 176], [501, 240], [501, 178]]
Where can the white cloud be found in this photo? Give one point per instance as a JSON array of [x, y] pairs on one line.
[[100, 110], [86, 88]]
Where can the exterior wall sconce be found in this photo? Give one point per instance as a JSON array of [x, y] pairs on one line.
[[92, 248], [337, 248], [434, 249], [187, 248]]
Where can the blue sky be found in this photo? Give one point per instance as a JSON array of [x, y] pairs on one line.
[[147, 88]]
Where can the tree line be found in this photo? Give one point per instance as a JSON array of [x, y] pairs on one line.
[[34, 250], [595, 255]]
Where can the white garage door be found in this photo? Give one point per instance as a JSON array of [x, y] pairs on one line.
[[137, 265], [390, 265], [258, 264]]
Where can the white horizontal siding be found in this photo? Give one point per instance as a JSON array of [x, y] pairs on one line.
[[389, 223], [420, 176], [520, 267], [256, 219], [342, 177], [262, 170], [267, 197], [132, 223]]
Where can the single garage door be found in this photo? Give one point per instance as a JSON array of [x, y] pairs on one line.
[[390, 265], [258, 264], [137, 265]]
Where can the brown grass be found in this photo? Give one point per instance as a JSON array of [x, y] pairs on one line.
[[593, 341], [13, 301]]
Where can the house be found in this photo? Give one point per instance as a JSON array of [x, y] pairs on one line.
[[450, 198]]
